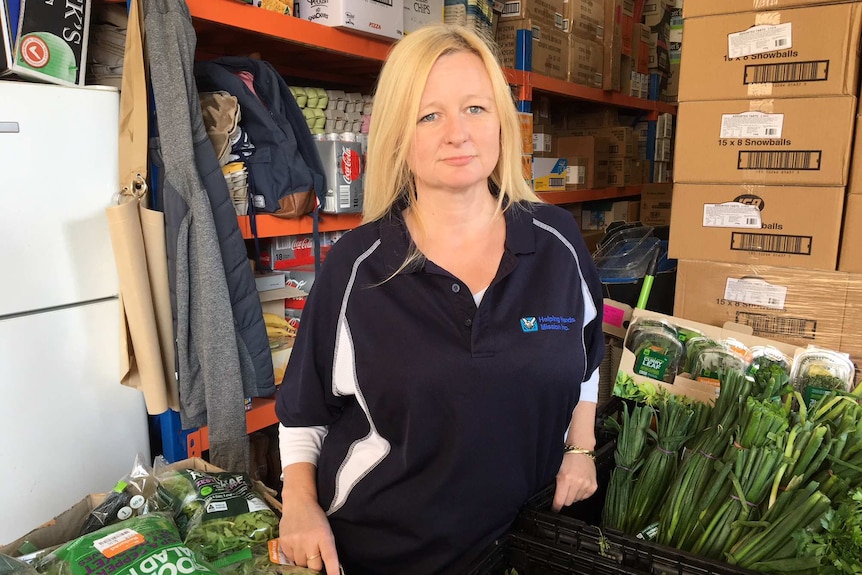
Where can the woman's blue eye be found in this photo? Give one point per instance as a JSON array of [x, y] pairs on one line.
[[475, 109], [429, 118]]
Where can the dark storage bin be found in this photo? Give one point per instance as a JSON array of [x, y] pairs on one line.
[[529, 556], [567, 530]]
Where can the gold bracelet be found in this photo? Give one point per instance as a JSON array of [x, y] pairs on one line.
[[575, 449]]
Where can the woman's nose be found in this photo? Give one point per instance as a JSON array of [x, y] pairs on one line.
[[456, 129]]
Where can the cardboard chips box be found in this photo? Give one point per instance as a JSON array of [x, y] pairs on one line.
[[788, 226], [47, 42], [790, 141], [791, 305], [803, 52], [693, 8]]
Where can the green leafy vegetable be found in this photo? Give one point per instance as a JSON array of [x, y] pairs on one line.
[[838, 547]]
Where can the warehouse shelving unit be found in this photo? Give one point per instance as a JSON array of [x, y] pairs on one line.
[[302, 49]]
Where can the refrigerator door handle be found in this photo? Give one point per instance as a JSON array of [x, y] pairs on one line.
[[9, 128]]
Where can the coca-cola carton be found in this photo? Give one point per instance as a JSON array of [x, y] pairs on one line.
[[290, 252], [342, 163]]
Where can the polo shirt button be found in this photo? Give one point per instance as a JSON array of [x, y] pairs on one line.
[[456, 288], [468, 322]]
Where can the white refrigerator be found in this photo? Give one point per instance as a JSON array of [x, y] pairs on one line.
[[67, 426]]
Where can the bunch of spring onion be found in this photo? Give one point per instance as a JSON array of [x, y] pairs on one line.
[[629, 456], [675, 419], [683, 503], [743, 482]]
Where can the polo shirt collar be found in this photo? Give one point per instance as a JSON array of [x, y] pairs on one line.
[[395, 239]]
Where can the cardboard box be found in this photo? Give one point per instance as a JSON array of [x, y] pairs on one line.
[[585, 18], [418, 13], [533, 46], [604, 117], [62, 528], [793, 141], [47, 42], [694, 8], [597, 215], [268, 281], [613, 43], [549, 174], [587, 159], [372, 17], [791, 305], [288, 252], [627, 24], [656, 13], [624, 172], [791, 53], [586, 62], [551, 12], [526, 121], [850, 259], [641, 48], [656, 204], [767, 225], [622, 141], [682, 383], [851, 338]]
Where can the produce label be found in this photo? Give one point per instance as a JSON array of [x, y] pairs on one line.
[[651, 363], [755, 292], [751, 125], [813, 394], [731, 215], [760, 39]]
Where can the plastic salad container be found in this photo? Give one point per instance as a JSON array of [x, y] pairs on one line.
[[769, 368], [711, 364], [817, 372], [658, 354], [693, 346], [626, 254], [686, 333], [644, 323]]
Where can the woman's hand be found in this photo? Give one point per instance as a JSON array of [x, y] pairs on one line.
[[576, 480], [304, 532]]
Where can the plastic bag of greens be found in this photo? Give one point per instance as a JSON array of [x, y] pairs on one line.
[[135, 494], [219, 515], [143, 545], [12, 566]]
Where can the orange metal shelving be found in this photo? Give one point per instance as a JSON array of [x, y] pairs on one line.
[[269, 226], [262, 414], [575, 196]]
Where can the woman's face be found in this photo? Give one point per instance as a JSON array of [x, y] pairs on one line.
[[457, 141]]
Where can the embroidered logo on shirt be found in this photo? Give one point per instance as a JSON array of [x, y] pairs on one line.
[[547, 322], [529, 324]]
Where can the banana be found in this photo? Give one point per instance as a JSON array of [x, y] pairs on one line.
[[273, 320]]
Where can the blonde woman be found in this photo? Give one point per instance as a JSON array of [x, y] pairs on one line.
[[449, 350]]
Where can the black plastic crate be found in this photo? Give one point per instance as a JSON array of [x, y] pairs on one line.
[[530, 556], [566, 530]]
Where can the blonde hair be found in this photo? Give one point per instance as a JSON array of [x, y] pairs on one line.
[[396, 105]]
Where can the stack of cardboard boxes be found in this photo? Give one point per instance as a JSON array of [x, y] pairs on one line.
[[763, 148]]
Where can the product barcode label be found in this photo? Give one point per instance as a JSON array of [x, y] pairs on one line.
[[537, 34], [755, 291], [771, 243], [731, 215], [762, 323], [344, 196], [117, 542], [760, 39], [216, 506], [511, 8], [751, 125], [576, 175], [815, 71], [557, 182], [785, 160]]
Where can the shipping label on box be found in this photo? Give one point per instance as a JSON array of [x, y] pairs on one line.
[[418, 13], [550, 12], [374, 17], [50, 41], [585, 18], [673, 379], [694, 8], [533, 46], [586, 62], [851, 241], [795, 53], [549, 174], [542, 144], [793, 141], [786, 304], [768, 225]]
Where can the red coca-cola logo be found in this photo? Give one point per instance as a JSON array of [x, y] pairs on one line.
[[301, 244], [349, 165]]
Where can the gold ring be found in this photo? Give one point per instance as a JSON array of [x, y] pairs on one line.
[[312, 558]]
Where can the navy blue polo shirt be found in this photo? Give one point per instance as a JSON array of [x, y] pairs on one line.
[[443, 419]]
